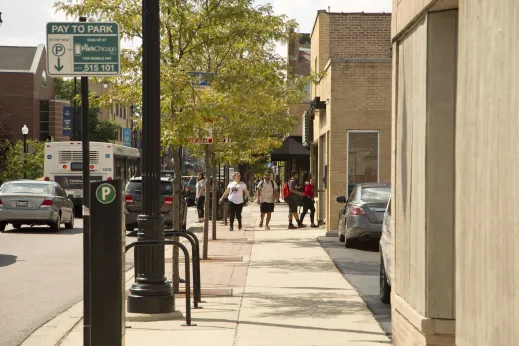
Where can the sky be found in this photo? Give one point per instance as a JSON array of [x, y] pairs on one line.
[[24, 20]]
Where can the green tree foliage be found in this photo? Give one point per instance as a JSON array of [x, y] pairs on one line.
[[234, 39], [100, 130], [5, 137], [17, 163]]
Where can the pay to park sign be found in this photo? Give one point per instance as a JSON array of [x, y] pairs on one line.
[[83, 49]]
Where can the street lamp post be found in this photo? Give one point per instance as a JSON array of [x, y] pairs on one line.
[[25, 132], [151, 293]]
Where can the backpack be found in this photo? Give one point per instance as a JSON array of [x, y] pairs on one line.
[[286, 190], [261, 184]]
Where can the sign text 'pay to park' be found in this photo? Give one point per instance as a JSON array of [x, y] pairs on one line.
[[83, 49]]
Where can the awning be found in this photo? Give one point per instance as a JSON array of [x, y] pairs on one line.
[[292, 149]]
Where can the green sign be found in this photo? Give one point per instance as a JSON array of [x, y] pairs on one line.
[[105, 193], [83, 49]]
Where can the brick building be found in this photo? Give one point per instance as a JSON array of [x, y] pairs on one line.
[[27, 93], [351, 128], [456, 272]]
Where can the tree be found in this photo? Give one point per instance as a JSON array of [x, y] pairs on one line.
[[5, 137], [17, 163], [250, 95], [100, 130]]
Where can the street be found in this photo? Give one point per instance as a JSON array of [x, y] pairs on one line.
[[42, 275], [361, 268]]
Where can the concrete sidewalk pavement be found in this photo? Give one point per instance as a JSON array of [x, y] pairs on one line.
[[277, 287]]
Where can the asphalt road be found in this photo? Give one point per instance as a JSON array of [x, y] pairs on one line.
[[41, 275], [361, 268]]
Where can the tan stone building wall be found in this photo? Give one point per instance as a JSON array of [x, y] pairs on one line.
[[354, 52]]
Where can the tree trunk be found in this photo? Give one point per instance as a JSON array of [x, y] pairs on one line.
[[206, 204], [215, 202], [177, 220]]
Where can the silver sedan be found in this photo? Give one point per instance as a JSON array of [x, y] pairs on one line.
[[30, 202]]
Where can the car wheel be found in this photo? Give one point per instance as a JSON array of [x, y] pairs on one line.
[[350, 243], [70, 225], [2, 226], [17, 226], [342, 238], [56, 226], [129, 228], [385, 289]]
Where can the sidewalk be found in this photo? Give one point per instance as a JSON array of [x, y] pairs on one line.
[[276, 287]]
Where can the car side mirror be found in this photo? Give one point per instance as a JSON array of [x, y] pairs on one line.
[[341, 199]]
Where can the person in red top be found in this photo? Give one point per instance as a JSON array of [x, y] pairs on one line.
[[308, 199]]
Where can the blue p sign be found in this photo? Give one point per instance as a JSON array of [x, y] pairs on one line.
[[58, 49]]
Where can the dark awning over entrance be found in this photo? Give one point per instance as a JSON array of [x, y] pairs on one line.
[[292, 149]]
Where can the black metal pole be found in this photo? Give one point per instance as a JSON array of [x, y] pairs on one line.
[[75, 126], [87, 273], [151, 293]]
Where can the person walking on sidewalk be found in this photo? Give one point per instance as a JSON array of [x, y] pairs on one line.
[[278, 192], [308, 199], [291, 197], [265, 195], [235, 193], [200, 196]]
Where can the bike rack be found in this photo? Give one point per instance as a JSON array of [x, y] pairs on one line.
[[188, 272], [195, 245]]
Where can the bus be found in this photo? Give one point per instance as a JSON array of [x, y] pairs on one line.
[[63, 163]]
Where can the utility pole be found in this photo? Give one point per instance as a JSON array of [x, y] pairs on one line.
[[151, 294]]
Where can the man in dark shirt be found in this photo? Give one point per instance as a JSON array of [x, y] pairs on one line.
[[293, 201]]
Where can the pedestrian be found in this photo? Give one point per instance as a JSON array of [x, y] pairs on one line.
[[265, 196], [308, 199], [235, 193], [291, 196], [278, 192], [200, 196]]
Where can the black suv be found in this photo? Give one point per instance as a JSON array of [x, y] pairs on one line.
[[133, 202], [190, 190]]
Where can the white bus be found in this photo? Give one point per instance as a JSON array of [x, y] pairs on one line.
[[63, 163]]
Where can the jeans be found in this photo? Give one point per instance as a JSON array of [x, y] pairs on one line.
[[308, 204], [200, 206], [235, 211]]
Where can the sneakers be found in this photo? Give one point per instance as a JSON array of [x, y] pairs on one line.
[[261, 224], [267, 228], [292, 226], [314, 226], [301, 226]]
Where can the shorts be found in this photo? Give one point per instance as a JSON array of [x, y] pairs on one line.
[[293, 202], [266, 207]]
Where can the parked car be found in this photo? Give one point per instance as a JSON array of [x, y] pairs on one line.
[[386, 261], [190, 191], [31, 202], [360, 219], [133, 203]]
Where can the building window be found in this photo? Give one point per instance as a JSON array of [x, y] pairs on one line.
[[120, 134], [363, 156], [44, 121], [124, 112]]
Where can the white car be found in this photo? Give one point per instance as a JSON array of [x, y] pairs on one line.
[[386, 260]]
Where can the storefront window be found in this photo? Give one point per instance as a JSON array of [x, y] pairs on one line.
[[363, 157]]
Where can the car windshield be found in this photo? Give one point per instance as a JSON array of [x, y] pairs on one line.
[[135, 188], [28, 188], [186, 179], [375, 194], [193, 181]]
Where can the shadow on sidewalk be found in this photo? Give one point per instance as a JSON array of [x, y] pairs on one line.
[[296, 242], [293, 326], [298, 265], [317, 305]]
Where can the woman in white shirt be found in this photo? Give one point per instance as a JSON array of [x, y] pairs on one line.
[[235, 192]]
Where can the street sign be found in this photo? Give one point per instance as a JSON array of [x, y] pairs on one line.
[[201, 80], [67, 121], [200, 140], [105, 193], [83, 49]]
